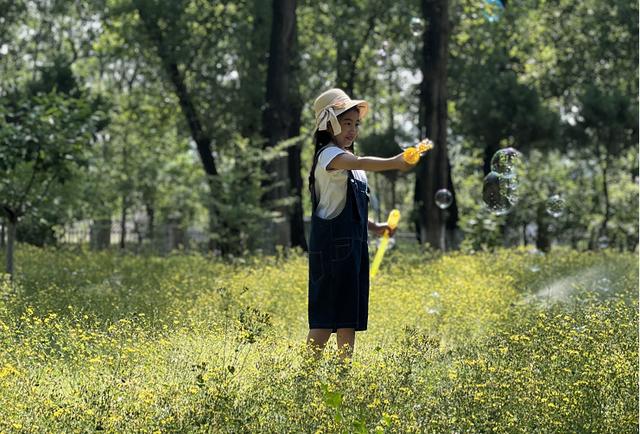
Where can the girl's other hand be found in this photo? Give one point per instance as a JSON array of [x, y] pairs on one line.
[[379, 229]]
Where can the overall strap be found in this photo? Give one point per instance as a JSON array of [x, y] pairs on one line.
[[312, 185]]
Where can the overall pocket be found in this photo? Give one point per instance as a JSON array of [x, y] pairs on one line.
[[342, 249]]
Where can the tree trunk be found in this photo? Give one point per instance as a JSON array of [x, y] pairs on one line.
[[278, 117], [451, 217], [489, 150], [151, 213], [198, 133], [294, 153], [202, 138], [2, 234], [376, 180], [295, 179], [433, 171], [605, 192], [123, 222], [100, 234], [393, 193], [543, 240], [347, 56], [252, 65]]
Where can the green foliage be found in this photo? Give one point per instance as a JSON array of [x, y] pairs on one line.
[[385, 144], [243, 219], [11, 11], [43, 139], [609, 118], [543, 175], [501, 109], [101, 341]]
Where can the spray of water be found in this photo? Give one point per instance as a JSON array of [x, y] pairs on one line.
[[560, 290]]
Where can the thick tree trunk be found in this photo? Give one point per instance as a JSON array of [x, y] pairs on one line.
[[279, 117], [434, 172]]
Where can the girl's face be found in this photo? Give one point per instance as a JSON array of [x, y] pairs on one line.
[[349, 122]]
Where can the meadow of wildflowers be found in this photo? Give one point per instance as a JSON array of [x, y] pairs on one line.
[[491, 342]]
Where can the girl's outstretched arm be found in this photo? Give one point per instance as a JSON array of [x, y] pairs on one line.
[[348, 161]]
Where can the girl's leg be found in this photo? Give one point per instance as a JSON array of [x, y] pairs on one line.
[[317, 339], [346, 339]]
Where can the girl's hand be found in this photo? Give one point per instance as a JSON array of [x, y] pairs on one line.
[[379, 228], [401, 164]]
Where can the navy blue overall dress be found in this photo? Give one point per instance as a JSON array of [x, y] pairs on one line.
[[339, 264]]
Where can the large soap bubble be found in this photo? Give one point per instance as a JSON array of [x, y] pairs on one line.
[[495, 193], [506, 162]]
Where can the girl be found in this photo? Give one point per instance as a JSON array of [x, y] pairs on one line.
[[338, 253]]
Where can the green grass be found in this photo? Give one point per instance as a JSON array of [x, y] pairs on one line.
[[493, 342]]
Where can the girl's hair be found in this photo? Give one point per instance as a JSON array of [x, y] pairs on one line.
[[322, 139]]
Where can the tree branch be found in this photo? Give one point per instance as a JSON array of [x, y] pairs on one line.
[[203, 141]]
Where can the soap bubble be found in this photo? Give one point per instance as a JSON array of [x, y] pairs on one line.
[[555, 205], [492, 10], [417, 26], [506, 162], [495, 193], [443, 198]]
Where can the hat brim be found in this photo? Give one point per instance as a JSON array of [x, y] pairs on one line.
[[363, 107]]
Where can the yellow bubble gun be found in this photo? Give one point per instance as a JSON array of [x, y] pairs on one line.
[[412, 155], [392, 222]]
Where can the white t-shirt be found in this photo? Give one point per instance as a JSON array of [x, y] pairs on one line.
[[331, 185]]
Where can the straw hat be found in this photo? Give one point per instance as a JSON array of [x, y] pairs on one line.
[[330, 104]]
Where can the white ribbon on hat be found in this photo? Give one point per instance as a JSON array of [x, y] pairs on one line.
[[327, 115]]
